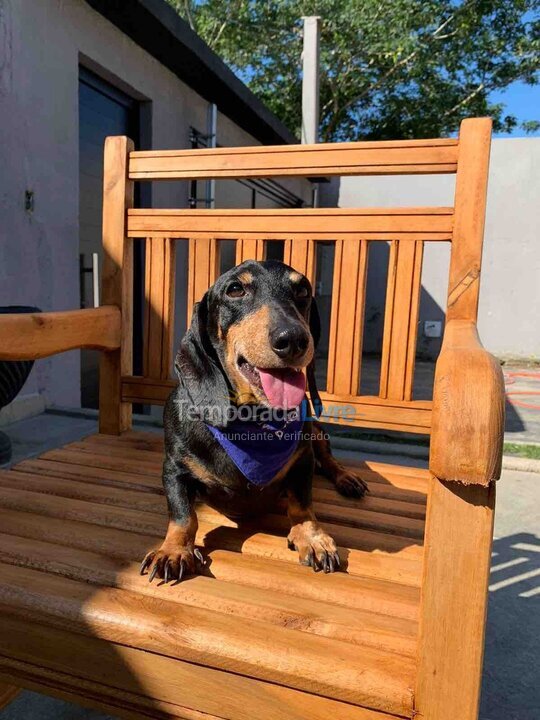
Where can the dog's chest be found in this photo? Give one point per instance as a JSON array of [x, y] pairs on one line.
[[238, 498]]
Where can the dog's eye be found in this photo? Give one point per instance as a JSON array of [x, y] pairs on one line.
[[235, 290], [301, 292]]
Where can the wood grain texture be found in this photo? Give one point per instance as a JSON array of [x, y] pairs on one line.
[[459, 533], [203, 269], [470, 213], [372, 678], [373, 629], [468, 409], [99, 674], [75, 523], [38, 335], [321, 223], [159, 292], [249, 249], [360, 158], [401, 320], [7, 693], [347, 317], [116, 283], [301, 255]]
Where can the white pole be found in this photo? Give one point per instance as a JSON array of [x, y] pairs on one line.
[[310, 80], [95, 278]]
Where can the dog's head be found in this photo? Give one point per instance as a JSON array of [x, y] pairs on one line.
[[252, 340]]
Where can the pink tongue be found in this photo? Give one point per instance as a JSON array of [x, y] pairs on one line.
[[283, 388]]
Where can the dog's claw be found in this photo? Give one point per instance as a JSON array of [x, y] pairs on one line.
[[181, 570], [146, 563], [167, 572], [199, 556], [153, 573], [327, 563], [337, 560]]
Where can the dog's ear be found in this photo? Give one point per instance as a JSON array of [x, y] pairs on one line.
[[315, 329], [200, 373]]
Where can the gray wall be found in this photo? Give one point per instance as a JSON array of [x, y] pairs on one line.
[[510, 287], [41, 46]]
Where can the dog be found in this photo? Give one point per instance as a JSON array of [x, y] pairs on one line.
[[242, 362]]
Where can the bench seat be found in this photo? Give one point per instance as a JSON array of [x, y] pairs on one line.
[[257, 635]]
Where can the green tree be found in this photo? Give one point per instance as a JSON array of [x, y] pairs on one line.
[[394, 69]]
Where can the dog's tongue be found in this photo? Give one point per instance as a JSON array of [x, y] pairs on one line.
[[283, 387]]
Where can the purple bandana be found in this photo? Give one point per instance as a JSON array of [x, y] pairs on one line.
[[260, 450]]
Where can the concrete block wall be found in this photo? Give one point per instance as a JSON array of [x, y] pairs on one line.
[[510, 284]]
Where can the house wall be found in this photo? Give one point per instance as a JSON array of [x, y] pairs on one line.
[[41, 46], [510, 285]]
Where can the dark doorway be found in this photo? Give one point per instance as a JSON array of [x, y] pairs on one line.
[[103, 110]]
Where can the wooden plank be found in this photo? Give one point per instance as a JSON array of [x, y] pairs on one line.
[[150, 464], [320, 223], [313, 617], [358, 411], [371, 554], [383, 495], [347, 317], [92, 695], [356, 517], [38, 335], [470, 212], [273, 576], [301, 255], [153, 442], [8, 693], [114, 478], [412, 484], [392, 535], [454, 600], [108, 676], [400, 320], [116, 284], [373, 501], [203, 269], [359, 158], [371, 678], [376, 501], [159, 307], [249, 249]]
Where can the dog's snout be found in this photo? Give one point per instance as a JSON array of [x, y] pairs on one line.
[[289, 343]]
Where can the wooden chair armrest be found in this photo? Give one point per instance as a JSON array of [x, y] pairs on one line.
[[36, 335], [468, 409]]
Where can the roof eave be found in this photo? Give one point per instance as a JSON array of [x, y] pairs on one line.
[[158, 29]]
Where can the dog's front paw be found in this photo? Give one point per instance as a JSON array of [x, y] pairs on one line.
[[315, 547], [350, 484], [172, 564]]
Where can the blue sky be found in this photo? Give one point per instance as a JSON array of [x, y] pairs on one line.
[[520, 100]]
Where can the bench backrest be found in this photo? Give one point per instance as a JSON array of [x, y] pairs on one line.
[[352, 230]]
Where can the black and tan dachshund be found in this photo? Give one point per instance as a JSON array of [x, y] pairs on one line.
[[243, 361]]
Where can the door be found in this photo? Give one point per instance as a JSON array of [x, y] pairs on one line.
[[103, 111]]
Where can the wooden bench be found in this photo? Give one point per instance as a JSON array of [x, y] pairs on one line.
[[400, 633]]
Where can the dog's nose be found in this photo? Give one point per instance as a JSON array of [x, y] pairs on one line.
[[289, 343]]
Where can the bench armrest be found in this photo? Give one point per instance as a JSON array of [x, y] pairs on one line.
[[31, 336], [468, 409]]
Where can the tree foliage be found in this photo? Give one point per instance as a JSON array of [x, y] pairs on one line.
[[394, 69]]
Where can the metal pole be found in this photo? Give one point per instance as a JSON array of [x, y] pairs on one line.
[[211, 143], [310, 80]]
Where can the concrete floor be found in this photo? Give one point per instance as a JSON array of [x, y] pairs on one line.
[[510, 685]]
